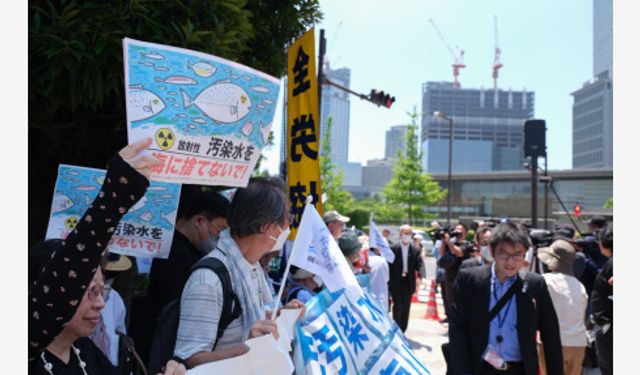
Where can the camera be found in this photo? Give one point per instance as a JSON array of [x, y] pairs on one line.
[[438, 233]]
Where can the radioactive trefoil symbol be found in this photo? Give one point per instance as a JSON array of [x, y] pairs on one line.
[[165, 138], [71, 222]]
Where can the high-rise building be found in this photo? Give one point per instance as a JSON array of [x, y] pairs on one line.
[[335, 104], [395, 141], [488, 128], [593, 103]]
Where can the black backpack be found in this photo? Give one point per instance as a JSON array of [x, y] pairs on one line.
[[164, 338]]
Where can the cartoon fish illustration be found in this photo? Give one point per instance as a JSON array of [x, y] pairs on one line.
[[191, 126], [202, 68], [223, 102], [261, 106], [247, 78], [247, 128], [177, 80], [73, 173], [72, 179], [181, 115], [162, 68], [86, 187], [265, 130], [146, 216], [87, 199], [143, 103], [169, 217], [267, 101], [170, 99], [139, 204], [167, 196], [60, 203], [157, 188], [235, 76], [146, 63], [152, 56], [172, 93], [261, 89], [199, 120], [176, 105], [160, 87]]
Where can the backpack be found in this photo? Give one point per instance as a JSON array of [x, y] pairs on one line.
[[164, 338]]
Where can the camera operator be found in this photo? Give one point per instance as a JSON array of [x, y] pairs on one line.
[[452, 253]]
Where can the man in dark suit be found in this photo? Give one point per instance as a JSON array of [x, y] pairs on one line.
[[479, 255], [508, 341], [402, 276]]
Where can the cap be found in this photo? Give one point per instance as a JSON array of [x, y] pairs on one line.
[[418, 236], [117, 262], [333, 215], [300, 274], [349, 243], [559, 256]]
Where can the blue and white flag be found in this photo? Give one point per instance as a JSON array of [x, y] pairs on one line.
[[343, 334], [315, 250], [376, 240]]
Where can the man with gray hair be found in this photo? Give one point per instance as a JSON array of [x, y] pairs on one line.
[[258, 219]]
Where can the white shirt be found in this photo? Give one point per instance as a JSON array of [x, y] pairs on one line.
[[569, 299], [113, 315], [379, 278], [405, 257]]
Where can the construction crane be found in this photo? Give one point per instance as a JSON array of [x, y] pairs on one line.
[[458, 55], [496, 57]]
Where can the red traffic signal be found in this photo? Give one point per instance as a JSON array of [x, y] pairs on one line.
[[379, 98]]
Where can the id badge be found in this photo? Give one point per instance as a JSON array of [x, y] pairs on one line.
[[494, 358]]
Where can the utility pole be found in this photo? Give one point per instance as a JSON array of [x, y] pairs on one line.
[[323, 50]]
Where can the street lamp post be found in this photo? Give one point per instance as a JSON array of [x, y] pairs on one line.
[[441, 115]]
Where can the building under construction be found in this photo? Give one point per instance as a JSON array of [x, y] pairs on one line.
[[488, 128]]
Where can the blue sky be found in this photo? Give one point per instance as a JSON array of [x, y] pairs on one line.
[[546, 48]]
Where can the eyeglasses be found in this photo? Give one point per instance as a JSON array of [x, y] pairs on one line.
[[505, 256], [94, 291]]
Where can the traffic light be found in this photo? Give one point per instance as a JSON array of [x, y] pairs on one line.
[[380, 98]]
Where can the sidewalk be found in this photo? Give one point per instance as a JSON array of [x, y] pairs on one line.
[[427, 336]]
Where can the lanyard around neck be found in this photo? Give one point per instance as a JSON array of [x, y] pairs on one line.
[[502, 319]]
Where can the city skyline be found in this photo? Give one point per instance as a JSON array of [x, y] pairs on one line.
[[547, 48]]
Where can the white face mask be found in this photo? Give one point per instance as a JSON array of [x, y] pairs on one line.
[[405, 238], [485, 253], [209, 244], [281, 239]]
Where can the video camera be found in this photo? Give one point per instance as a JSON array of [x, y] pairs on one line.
[[438, 233]]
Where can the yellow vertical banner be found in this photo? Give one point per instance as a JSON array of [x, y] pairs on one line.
[[303, 128]]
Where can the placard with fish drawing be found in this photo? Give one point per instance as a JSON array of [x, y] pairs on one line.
[[209, 117], [146, 230]]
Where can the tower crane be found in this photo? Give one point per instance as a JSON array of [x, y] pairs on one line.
[[457, 54], [496, 57]]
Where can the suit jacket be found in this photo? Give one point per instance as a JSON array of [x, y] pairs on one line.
[[469, 325], [414, 265]]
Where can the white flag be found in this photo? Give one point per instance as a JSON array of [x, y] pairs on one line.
[[376, 240], [316, 251]]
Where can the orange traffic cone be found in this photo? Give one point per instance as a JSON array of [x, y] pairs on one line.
[[414, 297], [432, 305]]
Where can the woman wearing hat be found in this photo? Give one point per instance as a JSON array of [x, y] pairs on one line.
[[569, 299]]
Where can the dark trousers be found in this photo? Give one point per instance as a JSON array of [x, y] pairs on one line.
[[402, 306], [604, 350]]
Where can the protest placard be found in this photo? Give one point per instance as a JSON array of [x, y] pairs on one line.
[[377, 240], [209, 117], [146, 230]]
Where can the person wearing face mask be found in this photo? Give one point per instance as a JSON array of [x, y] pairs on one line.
[[201, 217], [303, 285], [402, 276], [480, 255], [258, 218]]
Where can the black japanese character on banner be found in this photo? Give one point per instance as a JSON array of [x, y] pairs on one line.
[[227, 149], [142, 231], [156, 233], [248, 152], [214, 146], [237, 151], [300, 72], [301, 125], [298, 196], [128, 230]]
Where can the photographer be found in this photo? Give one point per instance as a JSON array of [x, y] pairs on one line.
[[453, 250]]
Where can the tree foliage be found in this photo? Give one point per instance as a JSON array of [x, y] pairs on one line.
[[411, 189], [76, 85], [332, 179], [608, 203]]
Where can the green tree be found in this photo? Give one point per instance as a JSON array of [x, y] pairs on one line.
[[410, 188], [608, 203], [76, 111], [332, 179]]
